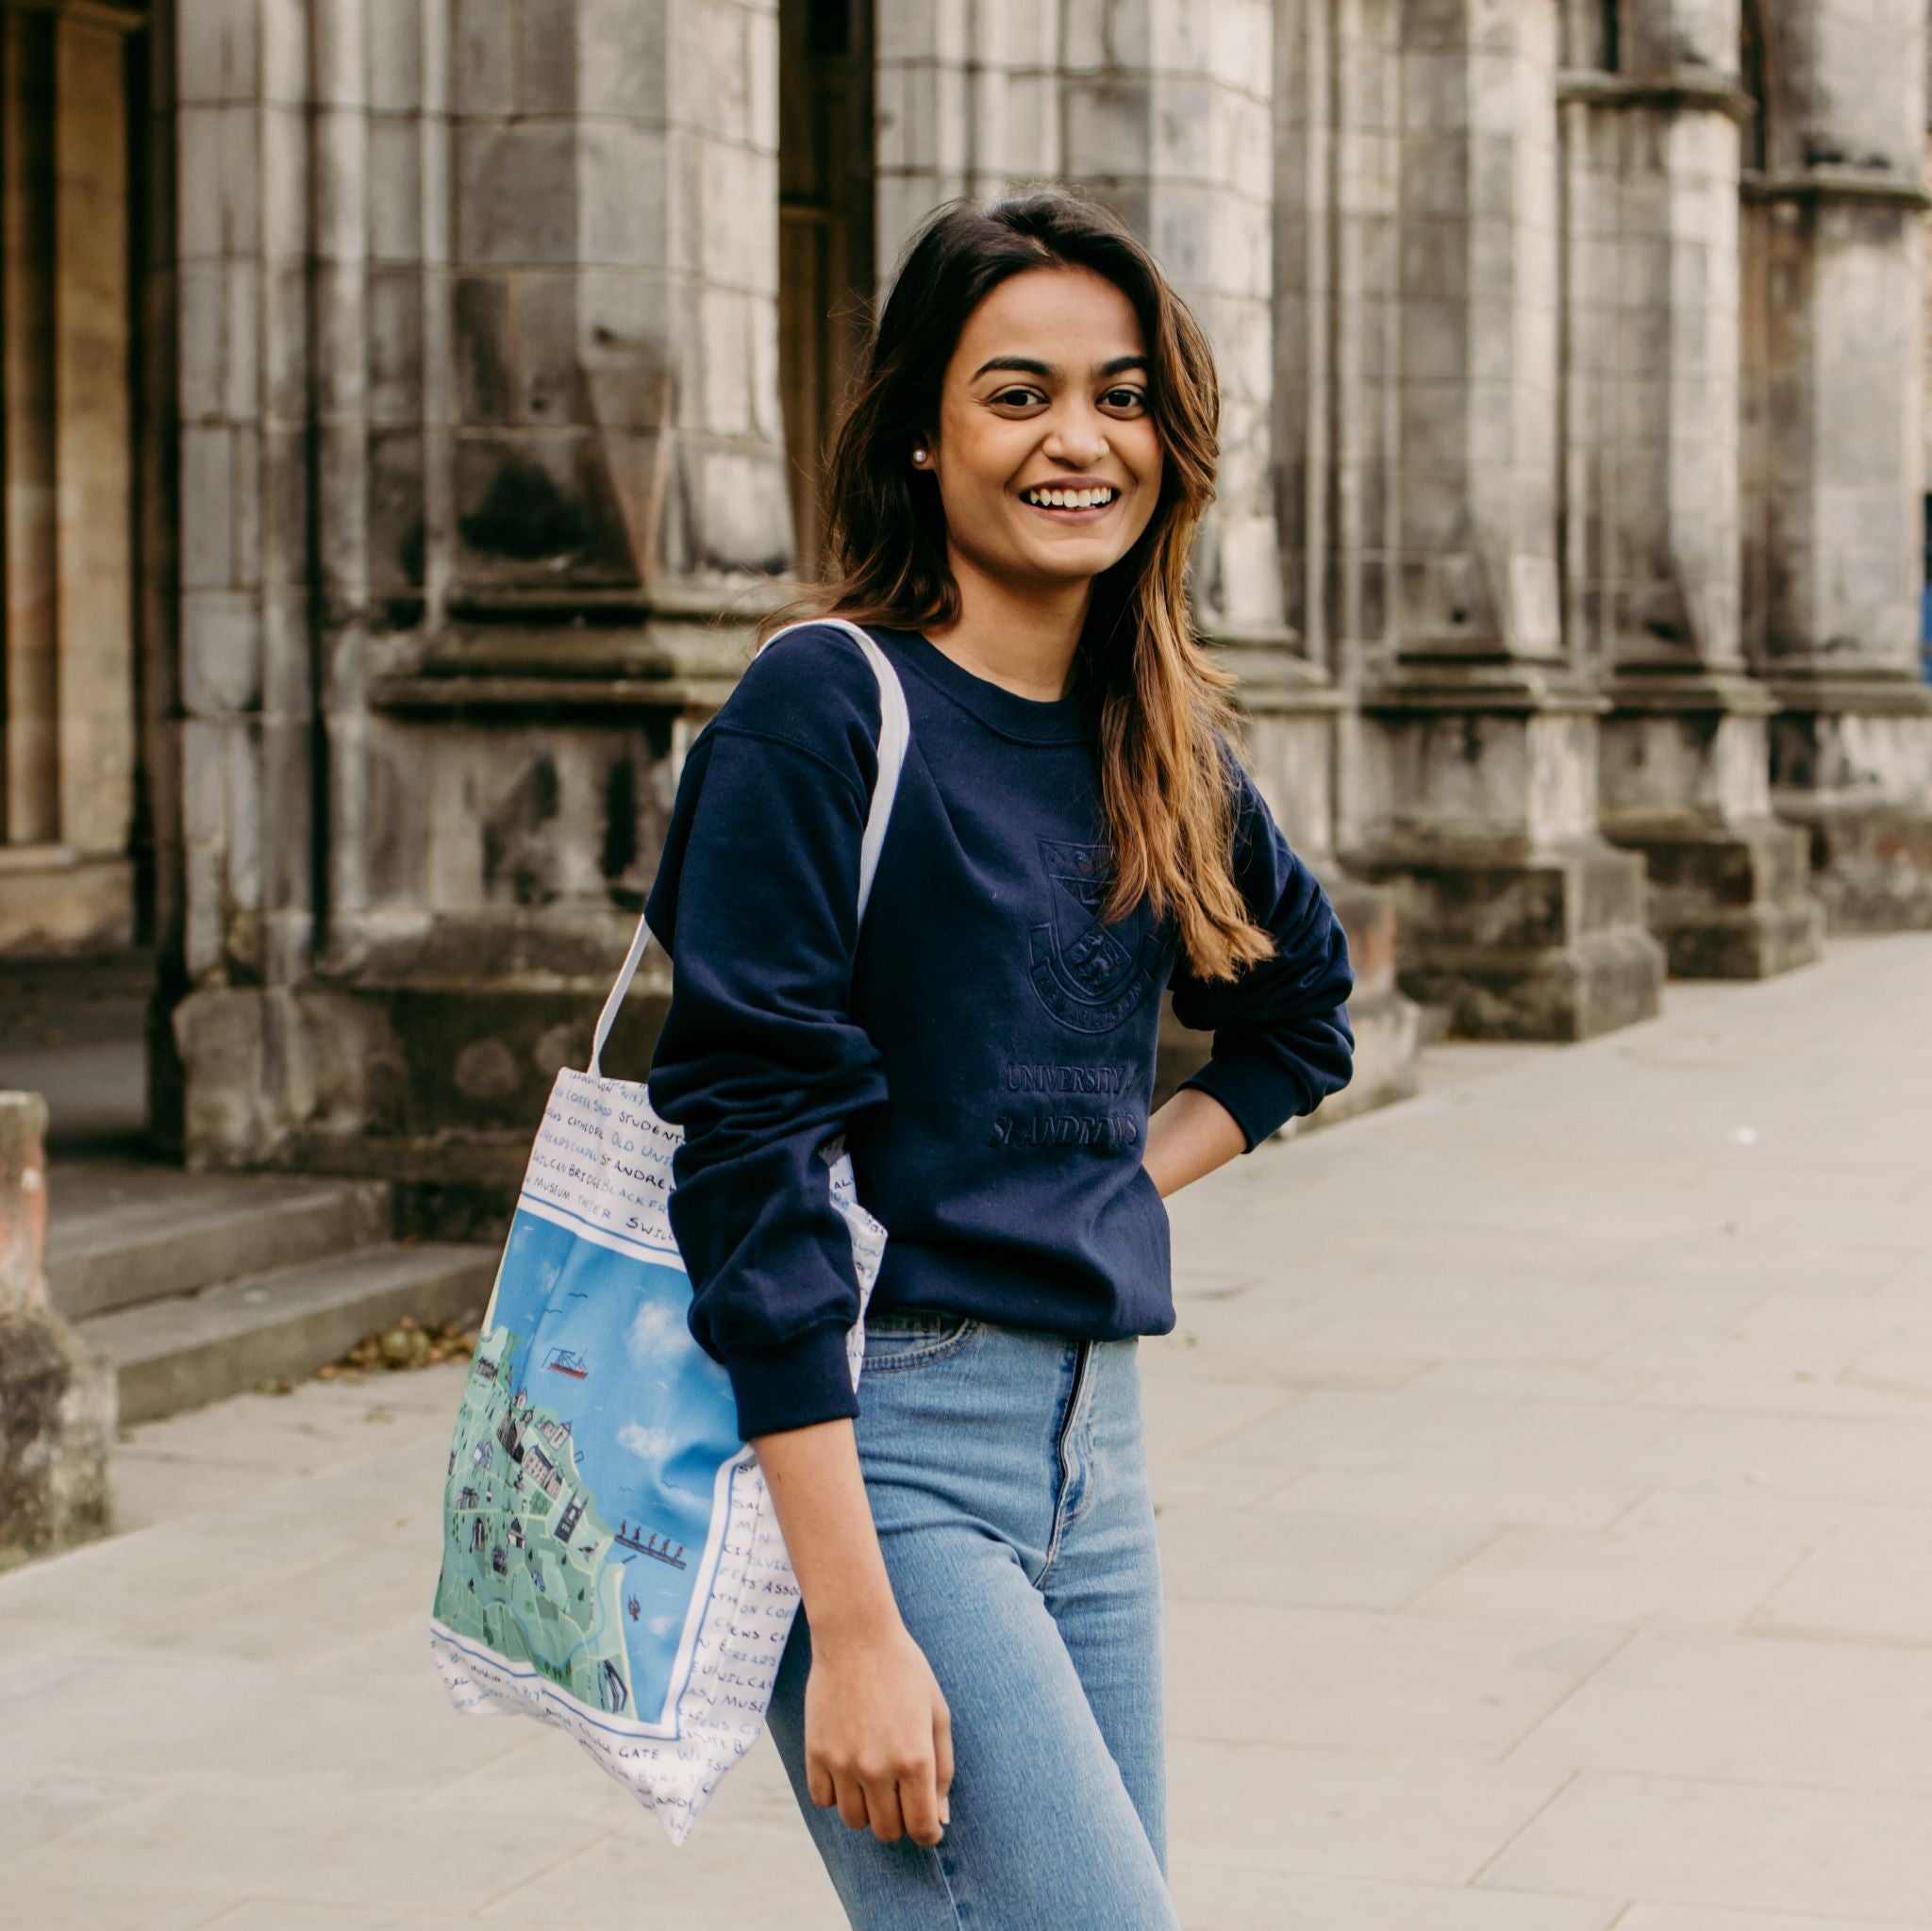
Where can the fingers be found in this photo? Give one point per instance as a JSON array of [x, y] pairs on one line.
[[881, 1800], [852, 1805], [902, 1802], [919, 1805], [942, 1756]]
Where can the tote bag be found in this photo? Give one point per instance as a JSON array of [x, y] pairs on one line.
[[611, 1563]]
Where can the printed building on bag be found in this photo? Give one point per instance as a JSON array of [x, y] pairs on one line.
[[408, 403]]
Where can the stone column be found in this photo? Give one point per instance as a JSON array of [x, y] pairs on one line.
[[479, 436], [229, 1060], [57, 1398], [1835, 279], [1332, 428], [616, 260], [1478, 797], [966, 102], [1187, 120], [1651, 488], [1166, 109]]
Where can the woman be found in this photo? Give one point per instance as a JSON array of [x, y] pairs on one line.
[[969, 1709]]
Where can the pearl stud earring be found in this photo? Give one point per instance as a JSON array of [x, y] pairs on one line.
[[919, 456]]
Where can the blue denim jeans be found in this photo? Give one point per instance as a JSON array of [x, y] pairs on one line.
[[1010, 1487]]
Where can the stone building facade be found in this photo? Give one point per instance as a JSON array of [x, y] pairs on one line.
[[476, 358]]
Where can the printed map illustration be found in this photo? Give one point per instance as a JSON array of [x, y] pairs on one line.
[[575, 1530]]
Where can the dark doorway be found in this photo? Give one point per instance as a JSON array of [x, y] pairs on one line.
[[76, 823], [825, 267]]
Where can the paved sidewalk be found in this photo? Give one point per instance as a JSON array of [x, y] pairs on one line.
[[1546, 1480]]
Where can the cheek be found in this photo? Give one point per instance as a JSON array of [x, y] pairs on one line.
[[977, 470], [1148, 468]]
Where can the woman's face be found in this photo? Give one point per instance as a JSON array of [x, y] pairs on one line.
[[1047, 459]]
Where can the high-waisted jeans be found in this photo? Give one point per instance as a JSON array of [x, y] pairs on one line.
[[1010, 1487]]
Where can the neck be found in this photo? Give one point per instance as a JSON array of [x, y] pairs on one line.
[[1020, 635]]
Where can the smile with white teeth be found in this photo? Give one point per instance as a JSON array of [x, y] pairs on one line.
[[1095, 498]]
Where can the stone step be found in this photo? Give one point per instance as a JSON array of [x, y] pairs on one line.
[[194, 1348], [125, 1231]]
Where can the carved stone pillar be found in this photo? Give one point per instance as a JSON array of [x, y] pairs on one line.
[[1477, 795], [1651, 487], [454, 543], [1834, 300], [1336, 79]]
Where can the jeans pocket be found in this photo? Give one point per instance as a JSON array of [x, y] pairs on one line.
[[911, 1337]]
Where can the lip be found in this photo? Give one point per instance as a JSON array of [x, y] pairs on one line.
[[1093, 514]]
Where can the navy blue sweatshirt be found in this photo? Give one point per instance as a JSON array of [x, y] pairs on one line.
[[986, 1044]]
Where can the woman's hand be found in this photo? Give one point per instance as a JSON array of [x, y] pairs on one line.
[[878, 1741]]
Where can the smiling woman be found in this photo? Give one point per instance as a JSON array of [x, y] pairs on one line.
[[1036, 347], [969, 1707]]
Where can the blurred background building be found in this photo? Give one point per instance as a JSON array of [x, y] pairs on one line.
[[408, 405]]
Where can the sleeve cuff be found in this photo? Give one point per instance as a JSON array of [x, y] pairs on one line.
[[806, 1380], [1254, 1096]]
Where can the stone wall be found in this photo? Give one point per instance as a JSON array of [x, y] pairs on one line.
[[1567, 546]]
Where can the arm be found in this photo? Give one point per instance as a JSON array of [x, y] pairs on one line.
[[877, 1733], [1282, 1042], [1188, 1138], [760, 1062]]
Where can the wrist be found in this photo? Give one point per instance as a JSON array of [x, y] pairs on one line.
[[854, 1622]]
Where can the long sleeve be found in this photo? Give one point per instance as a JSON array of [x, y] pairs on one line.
[[760, 1062], [1282, 1041]]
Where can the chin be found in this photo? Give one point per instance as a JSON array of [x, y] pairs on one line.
[[1069, 562]]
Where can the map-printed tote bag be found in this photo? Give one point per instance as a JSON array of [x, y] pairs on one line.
[[611, 1563]]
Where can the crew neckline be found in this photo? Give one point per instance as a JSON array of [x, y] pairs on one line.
[[1063, 720]]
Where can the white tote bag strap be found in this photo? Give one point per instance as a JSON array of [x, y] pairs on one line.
[[895, 733]]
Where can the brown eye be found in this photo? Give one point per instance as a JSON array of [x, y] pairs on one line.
[[1016, 398], [1124, 399]]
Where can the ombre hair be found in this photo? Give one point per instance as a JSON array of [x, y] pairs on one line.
[[1165, 717]]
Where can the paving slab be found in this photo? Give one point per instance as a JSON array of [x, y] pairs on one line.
[[1542, 1477], [1851, 1857]]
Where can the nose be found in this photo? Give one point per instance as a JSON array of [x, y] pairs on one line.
[[1077, 435]]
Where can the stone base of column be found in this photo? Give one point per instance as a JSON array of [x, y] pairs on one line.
[[57, 1397], [1872, 866], [1731, 903], [57, 1415], [1851, 766], [1544, 944], [1479, 812], [1684, 782], [1386, 1023], [437, 1088]]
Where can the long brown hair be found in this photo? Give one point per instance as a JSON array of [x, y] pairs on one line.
[[1165, 719]]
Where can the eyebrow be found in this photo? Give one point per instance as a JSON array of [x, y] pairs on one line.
[[1026, 365]]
